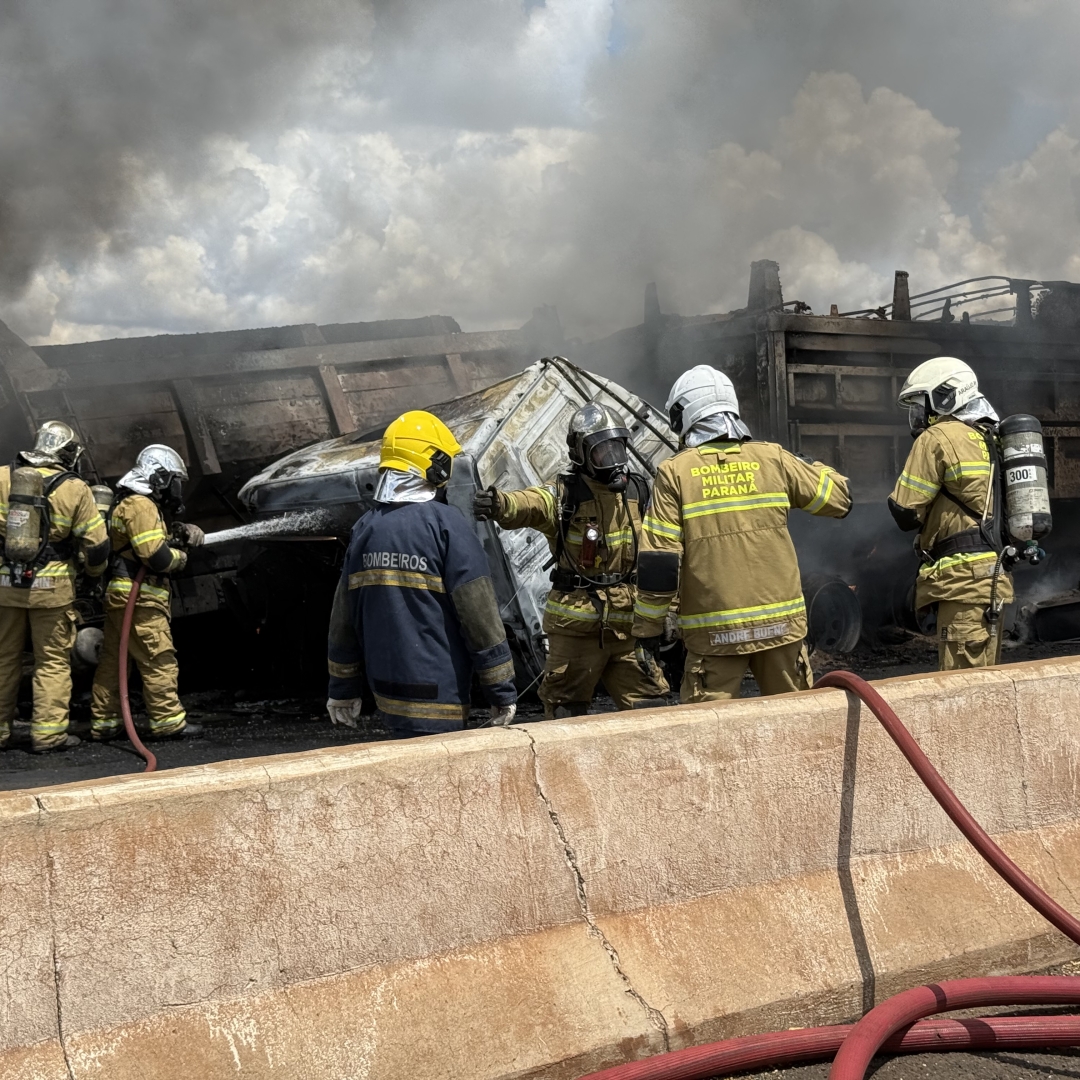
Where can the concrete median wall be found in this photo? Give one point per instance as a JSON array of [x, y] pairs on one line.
[[532, 902]]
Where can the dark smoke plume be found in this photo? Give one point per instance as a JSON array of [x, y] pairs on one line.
[[177, 165]]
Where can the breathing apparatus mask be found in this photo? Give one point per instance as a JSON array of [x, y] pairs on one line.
[[597, 440], [167, 490], [160, 474]]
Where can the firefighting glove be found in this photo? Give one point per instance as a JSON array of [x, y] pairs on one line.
[[503, 715], [487, 504], [653, 645], [190, 536], [344, 712]]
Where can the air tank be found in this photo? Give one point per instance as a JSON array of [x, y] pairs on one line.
[[103, 498], [1027, 498], [23, 540]]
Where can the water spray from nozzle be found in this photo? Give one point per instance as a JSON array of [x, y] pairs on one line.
[[305, 524]]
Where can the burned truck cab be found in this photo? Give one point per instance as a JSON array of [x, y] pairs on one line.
[[513, 435]]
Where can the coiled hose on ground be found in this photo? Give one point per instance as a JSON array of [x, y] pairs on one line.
[[125, 704], [897, 1024]]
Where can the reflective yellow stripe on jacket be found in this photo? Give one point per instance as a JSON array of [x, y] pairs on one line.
[[733, 503], [403, 579], [757, 613], [722, 509]]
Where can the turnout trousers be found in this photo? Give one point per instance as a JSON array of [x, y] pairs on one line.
[[965, 639], [52, 634], [150, 646], [576, 663], [717, 678]]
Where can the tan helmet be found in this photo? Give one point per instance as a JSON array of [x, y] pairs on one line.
[[55, 444]]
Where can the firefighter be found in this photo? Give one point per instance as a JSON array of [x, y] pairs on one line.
[[40, 593], [415, 610], [146, 497], [946, 492], [716, 536], [592, 522]]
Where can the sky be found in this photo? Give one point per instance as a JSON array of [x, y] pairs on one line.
[[169, 166]]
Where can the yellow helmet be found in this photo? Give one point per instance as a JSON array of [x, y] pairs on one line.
[[419, 442]]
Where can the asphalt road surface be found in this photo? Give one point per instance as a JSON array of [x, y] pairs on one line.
[[240, 726]]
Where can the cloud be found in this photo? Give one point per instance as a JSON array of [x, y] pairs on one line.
[[186, 166]]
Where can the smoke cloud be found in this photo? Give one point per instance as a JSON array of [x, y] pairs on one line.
[[181, 165]]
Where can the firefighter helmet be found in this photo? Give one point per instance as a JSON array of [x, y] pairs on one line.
[[944, 383], [55, 444], [698, 393], [164, 472], [420, 443], [937, 387], [597, 439]]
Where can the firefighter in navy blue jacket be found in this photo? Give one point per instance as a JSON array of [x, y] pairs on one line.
[[415, 610]]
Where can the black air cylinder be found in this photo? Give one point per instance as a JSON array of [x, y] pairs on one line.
[[1027, 498]]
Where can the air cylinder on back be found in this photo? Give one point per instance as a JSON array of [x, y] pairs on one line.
[[103, 497], [23, 539], [1027, 498]]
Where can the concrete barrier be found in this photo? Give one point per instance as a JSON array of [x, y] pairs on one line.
[[532, 902]]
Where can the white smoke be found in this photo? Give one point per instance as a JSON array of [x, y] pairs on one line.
[[480, 157]]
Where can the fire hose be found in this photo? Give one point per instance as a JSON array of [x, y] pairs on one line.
[[898, 1024], [125, 704]]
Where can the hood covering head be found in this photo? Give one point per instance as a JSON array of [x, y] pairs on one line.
[[719, 427], [697, 394], [155, 467], [396, 486], [974, 411]]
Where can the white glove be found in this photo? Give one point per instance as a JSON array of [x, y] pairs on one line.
[[503, 715], [345, 712]]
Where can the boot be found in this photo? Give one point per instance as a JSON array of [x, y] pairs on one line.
[[69, 742], [188, 731]]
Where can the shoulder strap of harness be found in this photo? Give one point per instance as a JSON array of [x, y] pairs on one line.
[[989, 530]]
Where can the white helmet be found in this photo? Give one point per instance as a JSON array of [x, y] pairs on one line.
[[943, 385], [700, 392], [159, 472], [159, 458]]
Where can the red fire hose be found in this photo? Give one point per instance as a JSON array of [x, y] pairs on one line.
[[125, 705], [896, 1024]]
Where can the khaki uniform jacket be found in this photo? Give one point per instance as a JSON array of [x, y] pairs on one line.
[[72, 513], [723, 508], [618, 518], [950, 456], [138, 533]]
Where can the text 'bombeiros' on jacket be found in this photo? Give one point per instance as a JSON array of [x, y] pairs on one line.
[[415, 612], [722, 509]]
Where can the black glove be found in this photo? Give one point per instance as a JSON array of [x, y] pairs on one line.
[[188, 536], [486, 504], [653, 645]]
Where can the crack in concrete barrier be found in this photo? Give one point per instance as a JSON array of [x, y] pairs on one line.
[[1038, 829], [42, 811], [654, 1016]]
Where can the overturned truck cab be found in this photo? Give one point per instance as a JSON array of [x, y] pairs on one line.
[[513, 435]]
